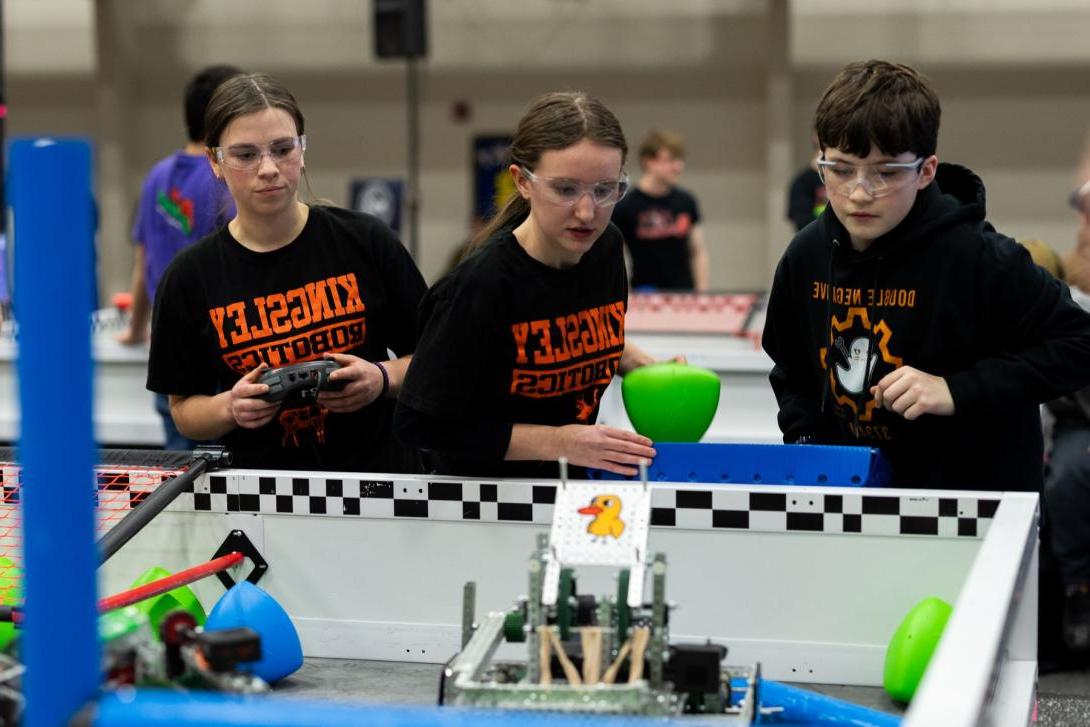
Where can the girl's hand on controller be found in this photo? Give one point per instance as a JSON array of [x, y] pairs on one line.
[[248, 411], [363, 384]]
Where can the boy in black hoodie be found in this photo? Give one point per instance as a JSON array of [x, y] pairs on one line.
[[902, 320]]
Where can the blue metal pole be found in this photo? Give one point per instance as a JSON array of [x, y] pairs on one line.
[[53, 236]]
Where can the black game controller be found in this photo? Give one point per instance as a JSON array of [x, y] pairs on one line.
[[303, 379]]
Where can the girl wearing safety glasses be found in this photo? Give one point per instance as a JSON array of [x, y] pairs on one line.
[[518, 343], [284, 282]]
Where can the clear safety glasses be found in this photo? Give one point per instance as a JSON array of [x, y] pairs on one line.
[[247, 157], [878, 180], [566, 192]]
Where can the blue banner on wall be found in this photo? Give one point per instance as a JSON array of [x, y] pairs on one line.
[[379, 197], [492, 185]]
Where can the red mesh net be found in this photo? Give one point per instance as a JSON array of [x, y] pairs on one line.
[[727, 313], [119, 490]]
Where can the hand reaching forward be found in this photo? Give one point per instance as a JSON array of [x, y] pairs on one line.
[[605, 448], [913, 393], [247, 410]]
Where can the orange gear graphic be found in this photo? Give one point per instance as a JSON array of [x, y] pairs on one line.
[[884, 334]]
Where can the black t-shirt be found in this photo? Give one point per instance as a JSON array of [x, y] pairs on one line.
[[656, 230], [344, 285], [806, 199], [506, 339]]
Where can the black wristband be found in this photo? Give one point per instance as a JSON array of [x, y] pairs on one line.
[[385, 379]]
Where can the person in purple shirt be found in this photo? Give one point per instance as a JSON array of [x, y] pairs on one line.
[[181, 202]]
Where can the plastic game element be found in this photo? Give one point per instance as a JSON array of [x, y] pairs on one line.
[[10, 595], [157, 607], [671, 402], [801, 706], [119, 623], [122, 300], [773, 464], [305, 379], [248, 606], [909, 651]]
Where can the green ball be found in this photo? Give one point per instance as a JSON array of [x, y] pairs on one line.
[[671, 402], [10, 595], [157, 607], [120, 623], [912, 645]]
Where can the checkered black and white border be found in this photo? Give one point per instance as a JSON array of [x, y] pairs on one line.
[[758, 508]]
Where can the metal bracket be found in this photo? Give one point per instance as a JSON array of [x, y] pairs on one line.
[[217, 456], [237, 541]]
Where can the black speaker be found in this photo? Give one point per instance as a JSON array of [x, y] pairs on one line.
[[401, 28]]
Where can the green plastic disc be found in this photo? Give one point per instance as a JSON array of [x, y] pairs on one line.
[[670, 401], [514, 622], [912, 645]]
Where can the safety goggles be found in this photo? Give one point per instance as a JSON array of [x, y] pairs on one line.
[[878, 180], [247, 157], [566, 192]]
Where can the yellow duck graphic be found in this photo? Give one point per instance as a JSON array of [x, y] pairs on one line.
[[607, 516]]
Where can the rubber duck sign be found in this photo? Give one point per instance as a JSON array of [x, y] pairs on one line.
[[600, 523], [607, 522]]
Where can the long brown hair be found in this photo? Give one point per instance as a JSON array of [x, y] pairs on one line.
[[553, 121]]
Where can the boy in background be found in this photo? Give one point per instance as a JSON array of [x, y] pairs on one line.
[[181, 202], [660, 221]]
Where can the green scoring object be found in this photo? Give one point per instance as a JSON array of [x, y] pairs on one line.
[[179, 599], [912, 645], [10, 595], [671, 402]]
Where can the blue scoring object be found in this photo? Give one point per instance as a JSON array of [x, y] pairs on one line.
[[771, 464]]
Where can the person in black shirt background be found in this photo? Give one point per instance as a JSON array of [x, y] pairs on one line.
[[806, 198], [660, 221]]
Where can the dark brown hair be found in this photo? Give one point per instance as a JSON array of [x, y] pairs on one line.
[[198, 92], [553, 121], [659, 139], [887, 105], [247, 94]]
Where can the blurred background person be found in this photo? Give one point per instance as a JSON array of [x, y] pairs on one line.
[[181, 201], [806, 198], [660, 221]]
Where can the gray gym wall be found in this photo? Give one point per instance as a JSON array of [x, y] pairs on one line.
[[738, 77]]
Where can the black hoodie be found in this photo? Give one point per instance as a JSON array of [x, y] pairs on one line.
[[942, 292]]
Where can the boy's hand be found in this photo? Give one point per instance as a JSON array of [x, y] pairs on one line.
[[912, 393]]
